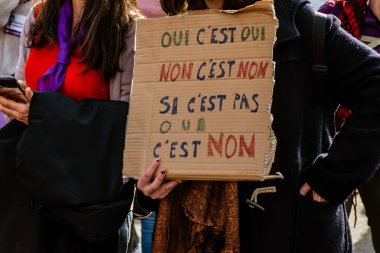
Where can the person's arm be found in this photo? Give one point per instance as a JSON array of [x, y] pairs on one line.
[[329, 7], [120, 85], [7, 6], [16, 110], [354, 78], [13, 109], [24, 50]]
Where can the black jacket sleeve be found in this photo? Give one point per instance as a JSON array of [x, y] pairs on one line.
[[354, 81], [145, 203]]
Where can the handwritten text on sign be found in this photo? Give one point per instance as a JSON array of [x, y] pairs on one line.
[[201, 95]]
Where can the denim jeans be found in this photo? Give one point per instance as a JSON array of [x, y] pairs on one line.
[[147, 227]]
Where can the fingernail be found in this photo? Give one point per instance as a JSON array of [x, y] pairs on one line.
[[163, 172], [179, 182], [158, 160]]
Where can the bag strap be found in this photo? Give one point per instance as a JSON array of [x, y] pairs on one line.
[[319, 34], [319, 68]]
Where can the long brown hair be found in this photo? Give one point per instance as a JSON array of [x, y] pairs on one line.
[[106, 23], [174, 7]]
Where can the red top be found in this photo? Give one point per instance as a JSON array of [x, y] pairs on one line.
[[76, 85]]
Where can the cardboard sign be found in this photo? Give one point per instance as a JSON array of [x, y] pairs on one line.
[[201, 95]]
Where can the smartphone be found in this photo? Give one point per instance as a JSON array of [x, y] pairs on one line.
[[11, 89]]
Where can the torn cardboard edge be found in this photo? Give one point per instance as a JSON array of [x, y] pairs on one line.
[[265, 7]]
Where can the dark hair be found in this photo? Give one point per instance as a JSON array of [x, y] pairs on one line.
[[174, 7], [106, 23]]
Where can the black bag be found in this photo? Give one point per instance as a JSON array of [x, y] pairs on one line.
[[64, 168]]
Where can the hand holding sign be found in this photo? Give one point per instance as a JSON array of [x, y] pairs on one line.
[[153, 186]]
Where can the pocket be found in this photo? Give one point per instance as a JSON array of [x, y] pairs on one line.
[[321, 228]]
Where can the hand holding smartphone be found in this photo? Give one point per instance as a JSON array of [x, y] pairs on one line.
[[11, 89]]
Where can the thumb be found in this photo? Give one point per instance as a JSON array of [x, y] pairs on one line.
[[28, 93]]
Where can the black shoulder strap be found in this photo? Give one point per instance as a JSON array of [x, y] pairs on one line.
[[319, 34], [319, 68]]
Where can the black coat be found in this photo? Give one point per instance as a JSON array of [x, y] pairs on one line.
[[61, 188], [307, 150]]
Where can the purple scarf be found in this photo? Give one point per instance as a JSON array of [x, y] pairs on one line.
[[54, 76], [3, 120]]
